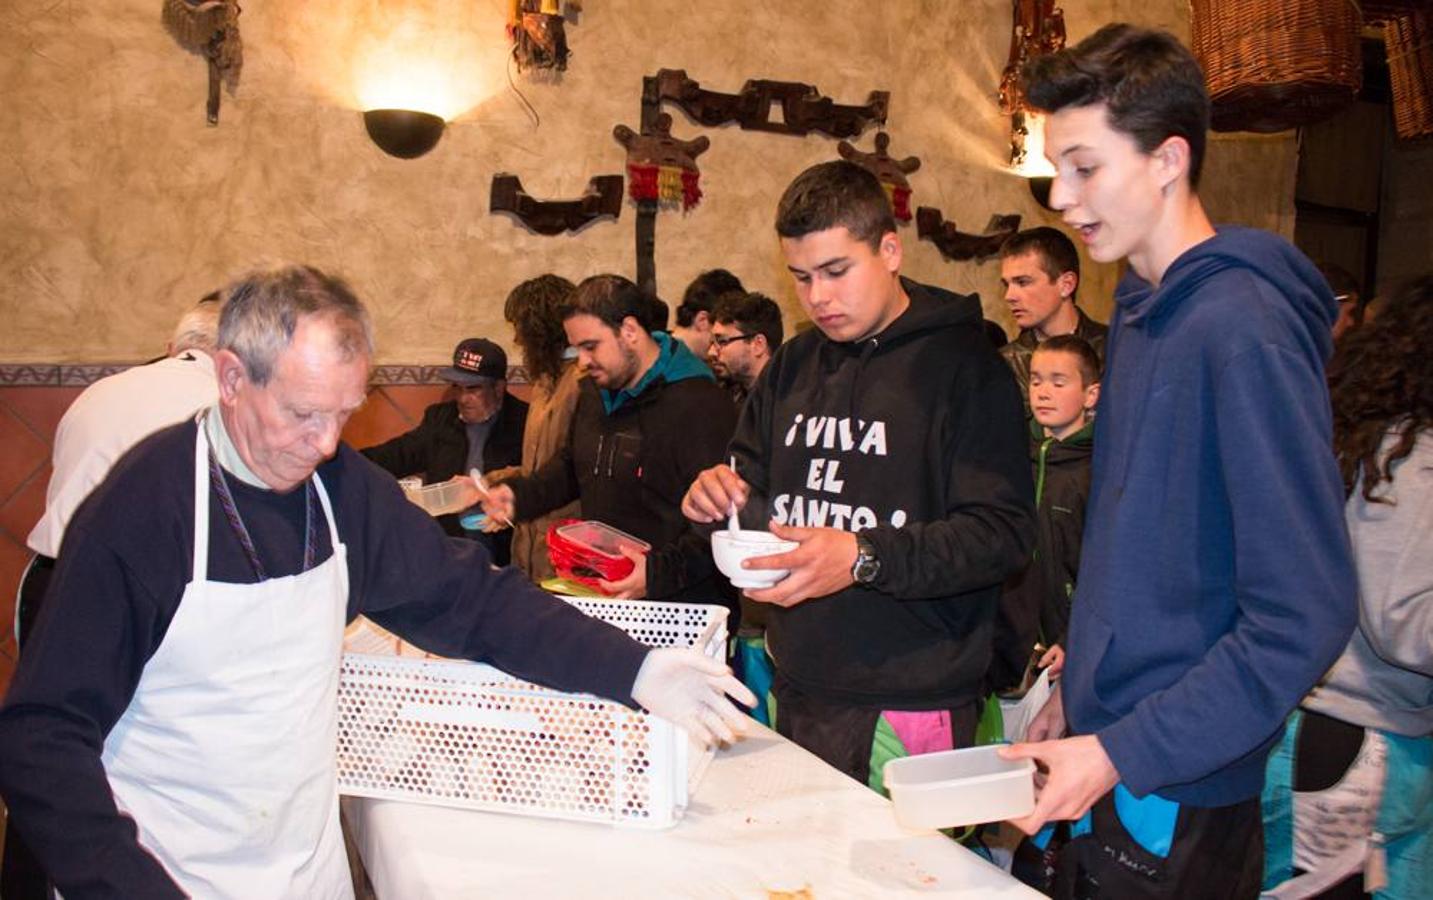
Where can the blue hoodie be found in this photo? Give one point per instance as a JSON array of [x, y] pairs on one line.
[[1216, 581]]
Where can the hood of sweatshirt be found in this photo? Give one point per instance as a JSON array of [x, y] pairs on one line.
[[1235, 247], [931, 309]]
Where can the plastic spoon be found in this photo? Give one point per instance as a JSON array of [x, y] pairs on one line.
[[731, 523], [483, 489]]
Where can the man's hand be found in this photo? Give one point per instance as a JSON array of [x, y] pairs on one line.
[[1049, 722], [1054, 660], [500, 503], [1077, 773], [820, 566], [690, 690], [714, 493], [634, 586]]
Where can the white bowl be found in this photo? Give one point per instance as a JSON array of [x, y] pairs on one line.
[[729, 548], [954, 788]]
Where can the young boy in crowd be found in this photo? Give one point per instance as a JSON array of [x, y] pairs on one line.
[[1216, 581], [1064, 388]]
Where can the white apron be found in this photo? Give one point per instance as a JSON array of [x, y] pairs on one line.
[[225, 756]]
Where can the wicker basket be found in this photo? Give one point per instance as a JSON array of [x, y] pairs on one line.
[[1410, 72], [1276, 64]]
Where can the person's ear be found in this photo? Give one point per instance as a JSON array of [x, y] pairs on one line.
[[1171, 161], [890, 252], [230, 372], [627, 332], [701, 321], [1092, 397], [1066, 284]]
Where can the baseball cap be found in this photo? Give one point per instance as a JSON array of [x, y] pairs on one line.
[[474, 360]]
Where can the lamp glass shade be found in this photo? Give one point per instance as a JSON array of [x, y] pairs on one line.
[[404, 133]]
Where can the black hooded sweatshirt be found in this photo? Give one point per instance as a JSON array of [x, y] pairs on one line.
[[914, 438]]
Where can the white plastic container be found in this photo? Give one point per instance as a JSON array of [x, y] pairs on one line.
[[464, 734], [442, 498], [954, 788]]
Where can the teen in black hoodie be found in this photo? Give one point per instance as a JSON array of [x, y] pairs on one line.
[[903, 426]]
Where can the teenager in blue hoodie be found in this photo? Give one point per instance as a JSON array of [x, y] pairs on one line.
[[1216, 584]]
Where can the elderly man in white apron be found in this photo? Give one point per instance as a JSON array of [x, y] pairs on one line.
[[172, 724]]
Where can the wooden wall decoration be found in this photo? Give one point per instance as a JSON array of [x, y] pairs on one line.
[[956, 245], [603, 198], [892, 172], [209, 28], [803, 109], [1037, 27], [661, 167], [539, 33]]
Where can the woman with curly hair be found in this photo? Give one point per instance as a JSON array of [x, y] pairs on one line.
[[534, 309], [1348, 806]]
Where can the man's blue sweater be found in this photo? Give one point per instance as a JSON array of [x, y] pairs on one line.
[[1216, 581]]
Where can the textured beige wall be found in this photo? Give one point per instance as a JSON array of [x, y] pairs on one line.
[[118, 204]]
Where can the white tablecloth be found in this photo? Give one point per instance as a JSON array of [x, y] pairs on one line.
[[767, 816]]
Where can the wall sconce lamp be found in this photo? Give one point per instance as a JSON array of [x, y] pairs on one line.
[[1027, 155], [404, 133]]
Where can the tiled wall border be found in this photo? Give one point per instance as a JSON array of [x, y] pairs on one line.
[[79, 375]]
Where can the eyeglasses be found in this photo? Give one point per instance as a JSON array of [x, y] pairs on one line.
[[723, 341]]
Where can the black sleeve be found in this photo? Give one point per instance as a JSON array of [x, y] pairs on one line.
[[100, 624], [444, 595], [409, 453], [989, 527], [706, 429]]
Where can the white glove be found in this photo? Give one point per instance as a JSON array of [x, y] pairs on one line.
[[688, 689]]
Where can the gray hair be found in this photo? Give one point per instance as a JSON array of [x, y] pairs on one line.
[[262, 309], [198, 328]]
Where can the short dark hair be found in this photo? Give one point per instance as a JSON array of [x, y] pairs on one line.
[[703, 292], [611, 298], [534, 310], [836, 193], [1085, 355], [1053, 249], [1150, 84], [752, 313]]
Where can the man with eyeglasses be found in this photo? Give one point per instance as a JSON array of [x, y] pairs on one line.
[[746, 330], [480, 428]]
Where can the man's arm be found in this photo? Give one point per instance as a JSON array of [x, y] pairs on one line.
[[702, 443], [444, 595], [1294, 581], [989, 527], [98, 629], [408, 453]]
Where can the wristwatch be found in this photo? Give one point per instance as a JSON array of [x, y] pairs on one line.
[[867, 565]]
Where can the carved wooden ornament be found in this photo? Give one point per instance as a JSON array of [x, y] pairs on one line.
[[661, 167], [958, 246], [803, 109], [892, 172], [602, 198], [209, 28]]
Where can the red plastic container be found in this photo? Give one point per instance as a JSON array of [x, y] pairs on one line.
[[590, 552]]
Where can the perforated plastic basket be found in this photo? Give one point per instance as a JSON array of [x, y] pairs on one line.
[[455, 733]]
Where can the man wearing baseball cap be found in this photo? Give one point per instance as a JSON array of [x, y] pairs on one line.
[[480, 428]]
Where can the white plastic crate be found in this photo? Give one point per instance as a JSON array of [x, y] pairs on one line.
[[456, 733]]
